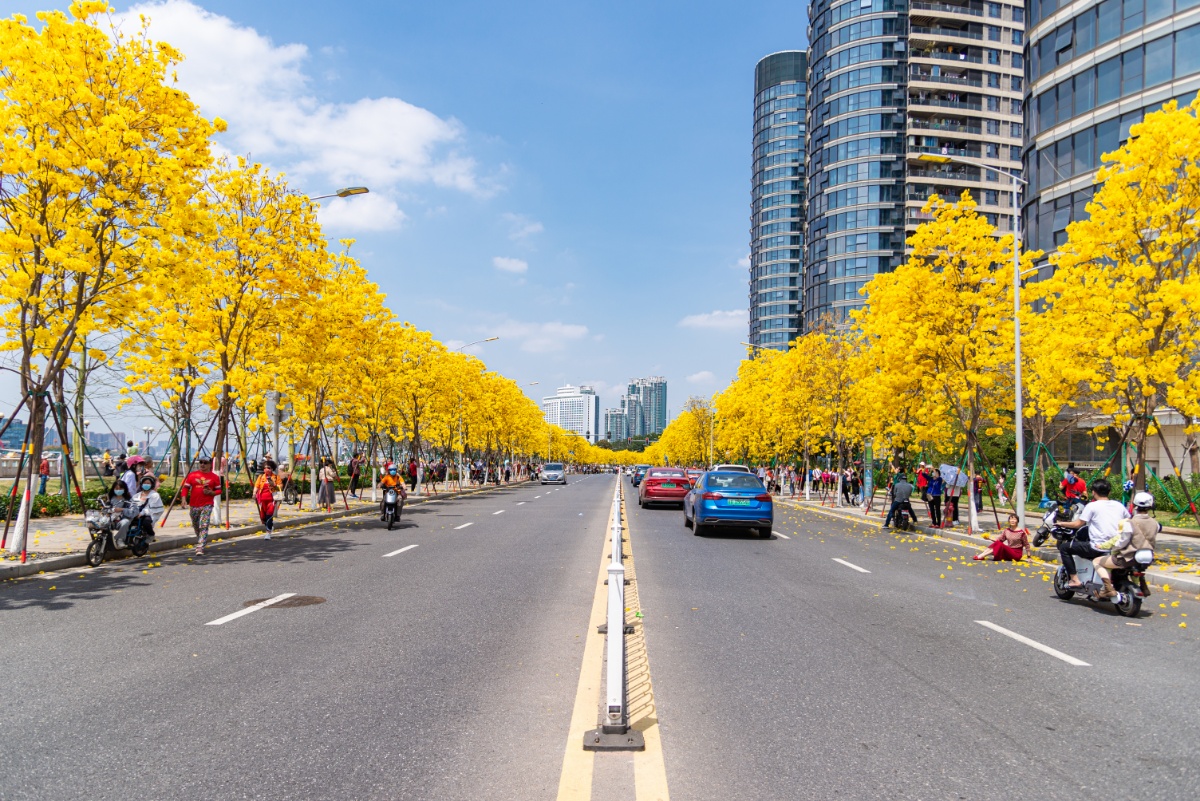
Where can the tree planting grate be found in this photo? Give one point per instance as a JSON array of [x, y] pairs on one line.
[[295, 600]]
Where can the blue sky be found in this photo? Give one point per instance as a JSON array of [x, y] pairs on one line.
[[571, 177]]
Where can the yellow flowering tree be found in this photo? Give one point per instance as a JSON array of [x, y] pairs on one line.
[[99, 159], [1124, 301]]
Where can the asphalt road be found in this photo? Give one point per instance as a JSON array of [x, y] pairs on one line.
[[448, 670], [781, 673]]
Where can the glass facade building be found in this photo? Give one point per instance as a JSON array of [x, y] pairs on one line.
[[898, 91], [777, 199], [1094, 70]]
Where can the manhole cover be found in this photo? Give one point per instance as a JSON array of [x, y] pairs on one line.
[[295, 600]]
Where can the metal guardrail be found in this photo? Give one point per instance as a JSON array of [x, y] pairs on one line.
[[614, 733]]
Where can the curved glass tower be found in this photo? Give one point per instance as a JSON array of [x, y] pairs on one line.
[[777, 199], [856, 151], [1094, 70]]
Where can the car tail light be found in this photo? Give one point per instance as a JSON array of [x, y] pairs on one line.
[[763, 497], [712, 496]]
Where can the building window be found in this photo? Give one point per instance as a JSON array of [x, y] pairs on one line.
[[1131, 71], [1085, 31], [994, 10], [1014, 152], [1108, 25], [1187, 51], [1018, 14], [1018, 61], [993, 80], [1016, 107], [1017, 83], [993, 127], [1158, 61], [991, 151], [1132, 15], [993, 57], [1016, 130], [1108, 80], [1018, 38], [993, 33]]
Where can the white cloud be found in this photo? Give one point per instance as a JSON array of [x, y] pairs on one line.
[[702, 377], [743, 263], [521, 227], [542, 337], [717, 320], [261, 89], [361, 213], [510, 265]]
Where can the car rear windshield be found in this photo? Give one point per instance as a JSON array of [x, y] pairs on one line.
[[554, 466], [661, 473], [733, 481]]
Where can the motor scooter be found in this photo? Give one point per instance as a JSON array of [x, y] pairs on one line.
[[1129, 582], [104, 523], [393, 506]]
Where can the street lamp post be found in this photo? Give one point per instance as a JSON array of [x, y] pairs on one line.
[[1017, 182], [462, 445]]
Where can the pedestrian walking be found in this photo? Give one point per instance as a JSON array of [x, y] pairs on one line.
[[327, 477], [131, 448], [43, 475], [355, 470], [200, 488], [265, 487], [978, 483], [412, 474]]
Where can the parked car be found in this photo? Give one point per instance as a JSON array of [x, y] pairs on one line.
[[732, 468], [663, 485], [553, 473], [728, 498], [638, 472], [694, 475]]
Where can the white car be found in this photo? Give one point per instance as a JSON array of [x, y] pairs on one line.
[[731, 468], [553, 473]]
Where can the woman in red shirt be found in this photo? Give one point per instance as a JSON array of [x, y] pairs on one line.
[[1010, 544]]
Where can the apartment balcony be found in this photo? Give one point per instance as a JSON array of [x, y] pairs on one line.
[[954, 80], [916, 150], [962, 105], [939, 32], [946, 55], [967, 174], [944, 125], [944, 8]]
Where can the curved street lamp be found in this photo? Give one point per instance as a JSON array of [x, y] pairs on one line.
[[348, 191]]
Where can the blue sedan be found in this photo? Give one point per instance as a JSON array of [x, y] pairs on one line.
[[728, 499]]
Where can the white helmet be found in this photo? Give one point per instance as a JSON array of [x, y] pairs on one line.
[[1143, 500]]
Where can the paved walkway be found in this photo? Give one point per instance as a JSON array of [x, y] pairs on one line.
[[1177, 556]]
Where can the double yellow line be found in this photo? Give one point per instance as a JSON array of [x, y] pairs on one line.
[[649, 769]]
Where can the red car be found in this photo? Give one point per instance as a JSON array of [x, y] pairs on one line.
[[663, 485]]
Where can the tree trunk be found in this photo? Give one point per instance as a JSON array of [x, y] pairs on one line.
[[1192, 447]]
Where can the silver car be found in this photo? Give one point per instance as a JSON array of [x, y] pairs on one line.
[[553, 473]]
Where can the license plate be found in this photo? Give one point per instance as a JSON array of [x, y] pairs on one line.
[[668, 485], [733, 502]]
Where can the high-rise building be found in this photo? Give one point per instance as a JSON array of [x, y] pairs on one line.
[[777, 199], [905, 100], [616, 425], [575, 409], [1095, 69], [635, 418], [650, 395]]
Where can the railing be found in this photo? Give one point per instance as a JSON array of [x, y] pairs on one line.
[[945, 175], [916, 101], [949, 56], [930, 78], [974, 12], [931, 125], [950, 151], [916, 29]]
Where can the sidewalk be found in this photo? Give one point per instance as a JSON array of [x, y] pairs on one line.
[[1177, 558], [58, 543]]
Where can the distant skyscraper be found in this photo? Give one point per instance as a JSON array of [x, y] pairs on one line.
[[777, 199], [635, 419], [616, 425], [575, 409], [647, 399]]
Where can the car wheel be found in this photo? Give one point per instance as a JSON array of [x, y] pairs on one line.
[[687, 521], [698, 529]]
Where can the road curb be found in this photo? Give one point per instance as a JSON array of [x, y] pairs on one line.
[[55, 564], [1158, 578]]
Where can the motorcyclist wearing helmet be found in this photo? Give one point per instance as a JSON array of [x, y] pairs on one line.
[[1139, 534], [392, 480], [1103, 518]]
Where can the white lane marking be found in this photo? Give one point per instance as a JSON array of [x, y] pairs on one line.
[[1046, 649], [520, 503], [402, 550], [581, 514], [500, 512], [535, 497], [785, 536], [852, 566], [464, 525], [249, 609]]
